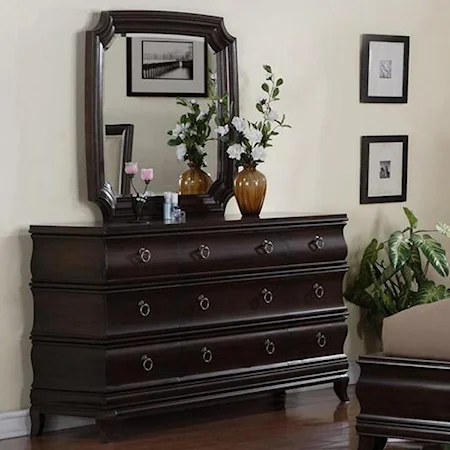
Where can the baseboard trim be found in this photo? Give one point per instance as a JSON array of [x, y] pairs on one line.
[[17, 423]]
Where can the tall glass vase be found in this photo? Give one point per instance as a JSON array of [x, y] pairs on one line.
[[194, 181], [250, 190]]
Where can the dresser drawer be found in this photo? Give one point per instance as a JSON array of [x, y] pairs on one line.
[[141, 257], [210, 303], [210, 355], [205, 252], [143, 364], [313, 341], [316, 244], [143, 311]]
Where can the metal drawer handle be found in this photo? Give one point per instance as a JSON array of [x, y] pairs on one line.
[[205, 251], [319, 290], [319, 242], [267, 295], [204, 302], [270, 346], [144, 308], [207, 355], [145, 255], [147, 363], [267, 246], [321, 340]]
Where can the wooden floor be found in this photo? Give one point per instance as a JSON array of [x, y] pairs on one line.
[[311, 420]]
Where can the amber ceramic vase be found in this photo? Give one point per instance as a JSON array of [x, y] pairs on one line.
[[250, 190], [194, 181]]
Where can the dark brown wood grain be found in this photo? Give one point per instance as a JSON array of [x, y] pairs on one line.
[[403, 398], [116, 336]]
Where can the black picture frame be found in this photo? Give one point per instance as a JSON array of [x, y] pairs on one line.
[[385, 72], [194, 86], [384, 166]]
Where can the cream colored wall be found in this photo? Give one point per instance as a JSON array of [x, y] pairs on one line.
[[313, 44]]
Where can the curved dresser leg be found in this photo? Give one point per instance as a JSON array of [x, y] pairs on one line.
[[340, 388], [279, 399], [371, 443], [105, 429], [37, 421]]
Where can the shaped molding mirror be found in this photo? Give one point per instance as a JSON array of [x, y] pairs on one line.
[[137, 62]]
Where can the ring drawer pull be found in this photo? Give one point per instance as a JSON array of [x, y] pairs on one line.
[[319, 290], [204, 302], [147, 363], [144, 308], [145, 255], [319, 242], [267, 246], [270, 346], [205, 251], [321, 340], [267, 295], [207, 355]]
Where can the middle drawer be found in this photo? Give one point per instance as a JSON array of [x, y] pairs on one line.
[[190, 306]]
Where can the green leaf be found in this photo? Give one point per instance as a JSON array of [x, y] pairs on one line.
[[280, 81], [443, 228], [433, 251], [431, 292], [399, 249], [415, 262], [411, 218], [276, 91], [267, 68], [265, 87], [259, 107]]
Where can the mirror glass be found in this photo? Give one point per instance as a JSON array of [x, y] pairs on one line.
[[143, 74]]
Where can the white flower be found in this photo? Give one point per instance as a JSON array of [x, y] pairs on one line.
[[214, 76], [181, 151], [239, 124], [235, 151], [201, 114], [200, 149], [263, 99], [259, 153], [272, 115], [193, 101], [222, 131], [254, 136], [179, 130]]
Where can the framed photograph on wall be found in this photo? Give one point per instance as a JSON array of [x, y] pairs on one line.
[[384, 169], [384, 69], [166, 65]]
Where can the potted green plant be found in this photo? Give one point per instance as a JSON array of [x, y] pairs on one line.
[[394, 275]]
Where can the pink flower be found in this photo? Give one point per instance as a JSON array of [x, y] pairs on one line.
[[147, 175], [131, 168]]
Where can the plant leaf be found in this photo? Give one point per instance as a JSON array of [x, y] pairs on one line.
[[276, 91], [265, 87], [433, 251], [411, 218], [443, 228], [267, 68], [280, 81], [259, 107], [399, 249], [431, 292]]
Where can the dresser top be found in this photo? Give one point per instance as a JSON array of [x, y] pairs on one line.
[[192, 224]]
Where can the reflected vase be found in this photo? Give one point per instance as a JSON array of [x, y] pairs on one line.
[[250, 190], [194, 181]]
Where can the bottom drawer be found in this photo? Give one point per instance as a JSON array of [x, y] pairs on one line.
[[318, 340]]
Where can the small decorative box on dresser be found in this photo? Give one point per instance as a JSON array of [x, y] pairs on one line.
[[134, 318]]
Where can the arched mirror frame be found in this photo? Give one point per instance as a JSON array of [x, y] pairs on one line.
[[118, 209]]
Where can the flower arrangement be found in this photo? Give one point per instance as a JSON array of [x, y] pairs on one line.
[[131, 169], [248, 141]]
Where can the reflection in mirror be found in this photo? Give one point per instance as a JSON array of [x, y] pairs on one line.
[[143, 73], [118, 148]]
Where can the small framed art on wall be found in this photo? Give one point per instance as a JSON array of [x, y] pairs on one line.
[[384, 169], [384, 69]]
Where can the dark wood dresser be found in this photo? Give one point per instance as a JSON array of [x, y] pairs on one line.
[[129, 319]]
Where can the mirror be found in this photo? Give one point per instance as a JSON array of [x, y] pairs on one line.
[[174, 65], [137, 64]]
